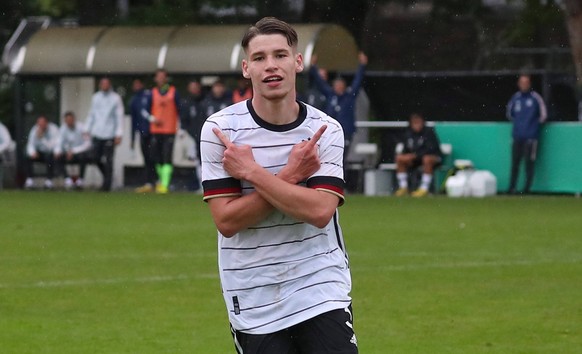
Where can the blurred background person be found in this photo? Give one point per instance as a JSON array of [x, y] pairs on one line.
[[341, 98], [421, 147], [42, 140], [5, 140], [72, 148], [191, 119], [105, 127], [527, 111], [5, 144], [218, 98], [139, 109], [243, 90], [164, 119], [313, 95], [191, 115]]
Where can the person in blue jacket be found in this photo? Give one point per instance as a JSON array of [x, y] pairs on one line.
[[139, 108], [341, 98], [527, 111]]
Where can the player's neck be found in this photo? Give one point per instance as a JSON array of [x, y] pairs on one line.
[[277, 112]]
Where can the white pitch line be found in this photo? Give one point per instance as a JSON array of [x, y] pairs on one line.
[[453, 265], [88, 282], [111, 256], [394, 268]]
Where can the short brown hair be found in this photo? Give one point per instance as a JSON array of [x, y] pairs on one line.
[[270, 25]]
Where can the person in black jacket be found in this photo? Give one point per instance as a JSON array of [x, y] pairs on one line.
[[421, 148]]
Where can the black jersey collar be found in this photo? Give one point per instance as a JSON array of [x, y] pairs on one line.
[[279, 128]]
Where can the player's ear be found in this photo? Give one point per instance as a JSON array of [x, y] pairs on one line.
[[245, 70], [299, 63]]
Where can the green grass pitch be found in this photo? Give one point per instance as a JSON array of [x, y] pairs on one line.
[[125, 273]]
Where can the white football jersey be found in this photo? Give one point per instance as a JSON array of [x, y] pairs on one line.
[[281, 271]]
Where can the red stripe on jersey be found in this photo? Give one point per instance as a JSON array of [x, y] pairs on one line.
[[329, 187], [222, 191]]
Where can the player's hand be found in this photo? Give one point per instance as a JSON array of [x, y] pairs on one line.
[[117, 140], [362, 58], [238, 161], [313, 59], [303, 160]]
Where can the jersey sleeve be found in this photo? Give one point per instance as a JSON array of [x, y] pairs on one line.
[[330, 177], [216, 182]]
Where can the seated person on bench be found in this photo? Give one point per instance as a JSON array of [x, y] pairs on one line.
[[421, 148], [42, 140], [73, 148]]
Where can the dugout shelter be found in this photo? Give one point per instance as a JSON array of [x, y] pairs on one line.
[[56, 68]]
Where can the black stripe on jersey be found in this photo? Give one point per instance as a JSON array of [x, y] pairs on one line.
[[295, 313], [274, 284], [326, 119], [204, 141], [337, 234], [331, 163], [276, 225], [274, 244], [221, 184], [326, 180], [212, 121], [283, 299], [222, 113], [280, 263]]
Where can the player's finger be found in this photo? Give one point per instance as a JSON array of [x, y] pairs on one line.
[[317, 135], [220, 135]]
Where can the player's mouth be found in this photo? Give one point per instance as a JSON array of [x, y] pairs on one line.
[[273, 79]]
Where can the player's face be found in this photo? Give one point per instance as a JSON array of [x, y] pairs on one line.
[[416, 123], [160, 78], [104, 85], [42, 123], [272, 66], [339, 86], [194, 88], [70, 120], [524, 83], [137, 85]]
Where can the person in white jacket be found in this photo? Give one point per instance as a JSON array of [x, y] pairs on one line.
[[5, 140], [42, 140], [72, 149], [5, 143], [105, 127]]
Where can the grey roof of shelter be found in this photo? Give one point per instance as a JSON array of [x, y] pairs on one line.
[[179, 49]]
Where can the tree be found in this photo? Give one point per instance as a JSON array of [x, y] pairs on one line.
[[573, 14]]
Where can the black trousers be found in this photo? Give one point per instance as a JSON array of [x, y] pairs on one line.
[[102, 156], [45, 157], [80, 159], [523, 150], [162, 148], [148, 159]]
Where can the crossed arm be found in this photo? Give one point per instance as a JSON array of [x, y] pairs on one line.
[[281, 192]]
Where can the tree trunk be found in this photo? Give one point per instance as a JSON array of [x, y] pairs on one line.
[[574, 23], [573, 10]]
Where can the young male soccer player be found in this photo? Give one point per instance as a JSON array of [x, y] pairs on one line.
[[272, 177]]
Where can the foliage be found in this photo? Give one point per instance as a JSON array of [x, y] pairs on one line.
[[57, 8], [538, 20]]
